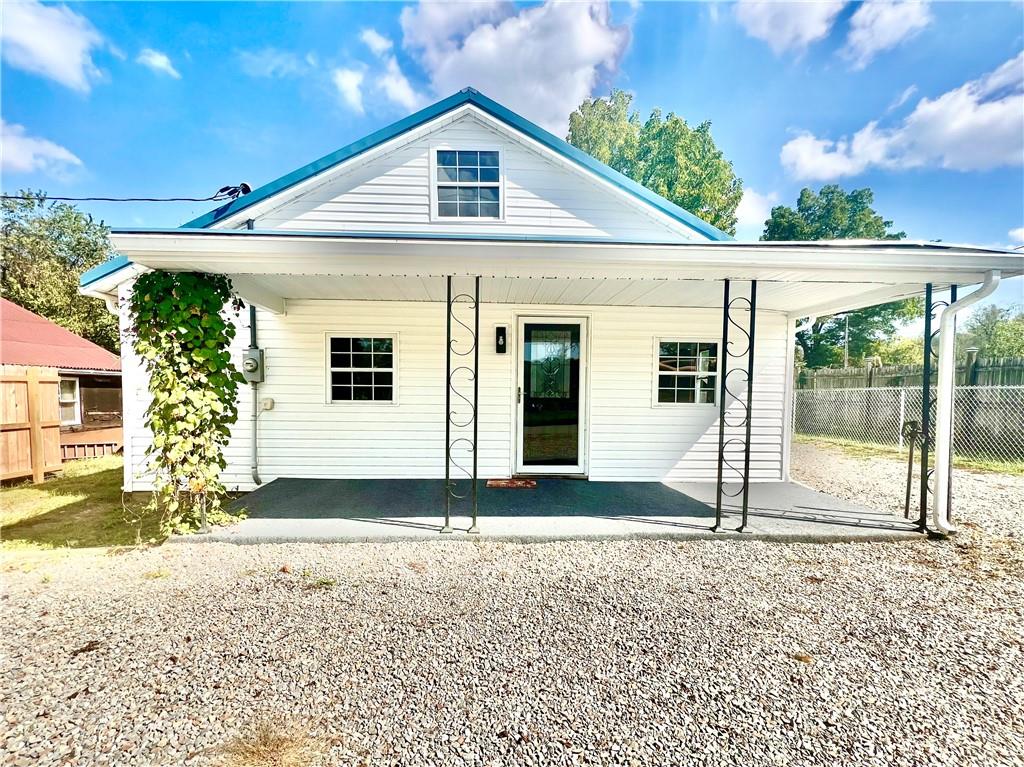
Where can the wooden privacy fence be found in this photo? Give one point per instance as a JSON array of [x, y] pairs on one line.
[[973, 371], [29, 422]]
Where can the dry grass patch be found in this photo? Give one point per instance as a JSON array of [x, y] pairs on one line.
[[272, 744], [82, 507]]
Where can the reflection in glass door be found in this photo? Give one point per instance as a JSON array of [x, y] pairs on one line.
[[550, 397]]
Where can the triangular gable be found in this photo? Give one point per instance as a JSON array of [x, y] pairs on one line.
[[488, 111]]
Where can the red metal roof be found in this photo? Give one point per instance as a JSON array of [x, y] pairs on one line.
[[28, 339]]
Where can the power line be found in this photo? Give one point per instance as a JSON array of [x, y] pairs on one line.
[[224, 193]]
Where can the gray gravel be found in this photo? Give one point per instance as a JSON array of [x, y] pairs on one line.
[[611, 653]]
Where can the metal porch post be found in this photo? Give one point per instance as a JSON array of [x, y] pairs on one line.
[[750, 406], [476, 394], [455, 419], [723, 393], [447, 411], [926, 410]]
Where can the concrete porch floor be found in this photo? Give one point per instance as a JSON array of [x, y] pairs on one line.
[[321, 510]]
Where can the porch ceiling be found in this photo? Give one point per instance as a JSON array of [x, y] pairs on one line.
[[598, 291]]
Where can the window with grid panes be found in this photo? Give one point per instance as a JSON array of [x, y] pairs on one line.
[[362, 368], [687, 371], [468, 184]]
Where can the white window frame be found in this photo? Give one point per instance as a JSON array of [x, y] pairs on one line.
[[656, 362], [466, 146], [393, 370], [77, 401]]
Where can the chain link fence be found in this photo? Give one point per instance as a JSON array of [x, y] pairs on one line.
[[988, 420]]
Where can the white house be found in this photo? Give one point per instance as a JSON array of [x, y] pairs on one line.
[[599, 316]]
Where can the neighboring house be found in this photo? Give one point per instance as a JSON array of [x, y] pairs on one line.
[[90, 378], [600, 316]]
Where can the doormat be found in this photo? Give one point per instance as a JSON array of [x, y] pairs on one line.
[[515, 483]]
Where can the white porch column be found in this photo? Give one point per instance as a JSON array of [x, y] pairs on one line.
[[944, 400]]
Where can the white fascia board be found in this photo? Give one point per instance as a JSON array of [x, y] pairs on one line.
[[296, 254], [105, 288]]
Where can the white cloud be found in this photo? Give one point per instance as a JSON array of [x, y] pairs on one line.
[[541, 61], [349, 83], [879, 25], [22, 153], [158, 62], [903, 98], [1017, 235], [754, 209], [396, 86], [787, 25], [977, 126], [273, 62], [375, 41], [50, 40]]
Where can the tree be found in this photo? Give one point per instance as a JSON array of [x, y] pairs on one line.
[[833, 214], [45, 249], [897, 351], [664, 154], [995, 331]]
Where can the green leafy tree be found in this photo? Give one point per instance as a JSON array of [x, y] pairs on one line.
[[45, 248], [897, 351], [664, 154], [833, 214], [995, 331]]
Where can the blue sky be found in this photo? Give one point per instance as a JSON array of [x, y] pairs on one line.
[[922, 102]]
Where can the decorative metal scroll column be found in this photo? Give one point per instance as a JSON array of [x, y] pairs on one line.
[[724, 392], [457, 416], [931, 308]]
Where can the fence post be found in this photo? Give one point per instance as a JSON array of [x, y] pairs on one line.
[[35, 424], [903, 415], [972, 367]]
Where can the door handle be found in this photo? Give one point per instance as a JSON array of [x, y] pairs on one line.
[[519, 394]]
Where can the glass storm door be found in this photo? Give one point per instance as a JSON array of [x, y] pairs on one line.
[[550, 396]]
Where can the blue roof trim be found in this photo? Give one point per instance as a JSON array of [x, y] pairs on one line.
[[108, 267], [477, 99]]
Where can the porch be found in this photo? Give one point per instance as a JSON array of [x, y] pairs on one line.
[[353, 510], [650, 347]]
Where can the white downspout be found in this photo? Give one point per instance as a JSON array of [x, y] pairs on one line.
[[944, 400], [790, 404]]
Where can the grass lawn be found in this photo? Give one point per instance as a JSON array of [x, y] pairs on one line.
[[80, 508]]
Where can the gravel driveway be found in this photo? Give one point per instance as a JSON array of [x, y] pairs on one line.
[[617, 653]]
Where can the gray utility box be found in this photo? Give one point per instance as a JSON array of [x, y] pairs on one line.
[[252, 365]]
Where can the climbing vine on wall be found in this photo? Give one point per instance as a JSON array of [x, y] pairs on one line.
[[181, 330]]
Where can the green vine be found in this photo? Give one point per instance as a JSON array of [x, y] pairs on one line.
[[180, 330]]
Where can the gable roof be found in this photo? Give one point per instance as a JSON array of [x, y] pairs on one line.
[[495, 110], [28, 339]]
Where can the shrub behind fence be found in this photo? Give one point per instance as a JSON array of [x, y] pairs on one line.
[[988, 420]]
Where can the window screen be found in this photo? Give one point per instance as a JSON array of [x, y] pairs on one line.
[[687, 371], [362, 368], [69, 401], [468, 184]]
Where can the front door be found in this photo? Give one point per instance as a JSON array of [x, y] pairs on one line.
[[551, 392]]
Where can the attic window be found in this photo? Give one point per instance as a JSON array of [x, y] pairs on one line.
[[468, 183]]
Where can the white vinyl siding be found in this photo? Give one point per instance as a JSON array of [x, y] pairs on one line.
[[394, 193], [629, 437]]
